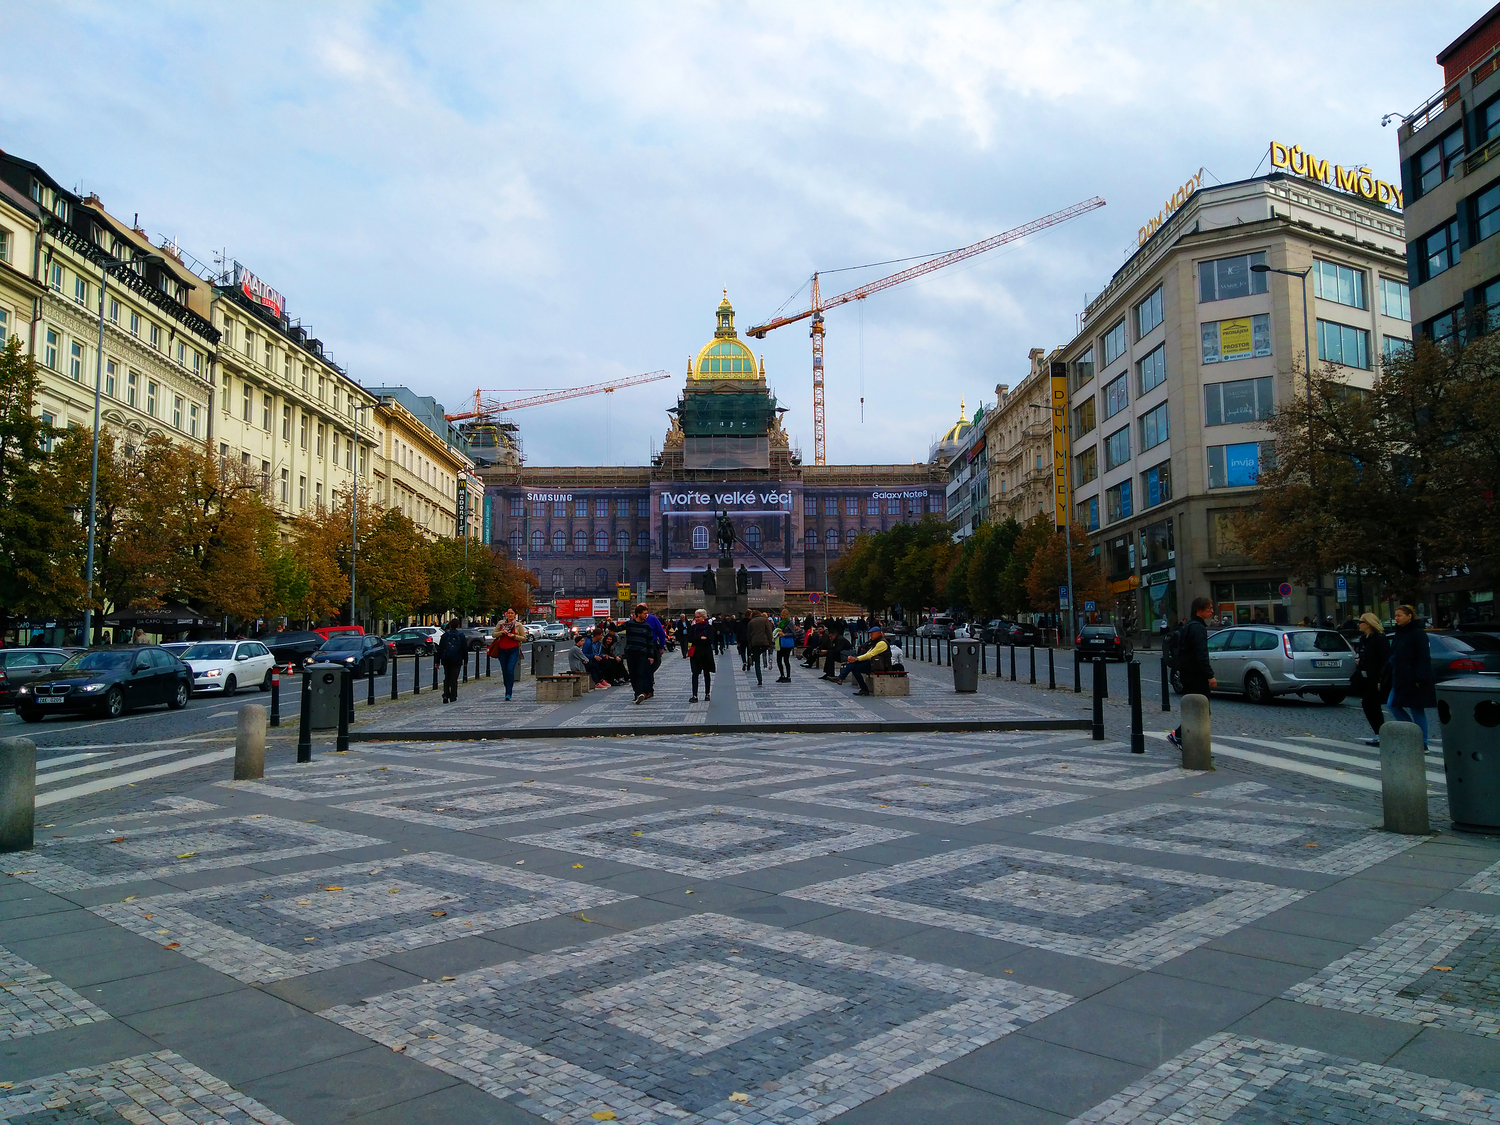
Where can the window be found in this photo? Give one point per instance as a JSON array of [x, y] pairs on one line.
[[601, 541], [579, 578], [151, 389], [177, 412], [850, 536], [643, 507], [1114, 343], [809, 505], [80, 291], [4, 326], [109, 375], [643, 541], [192, 419], [752, 536], [559, 507], [1235, 466], [1333, 282], [181, 353], [248, 399], [559, 541], [114, 311], [1447, 327], [286, 423], [851, 505], [1117, 448], [135, 324], [1245, 400], [1088, 465], [1083, 368], [1241, 338], [75, 361], [812, 540], [1339, 343], [1395, 299], [622, 541], [47, 423], [55, 277], [518, 507], [1156, 485], [832, 539], [1154, 427], [601, 508], [536, 542], [1117, 502], [1437, 250], [285, 485], [265, 413], [318, 442], [301, 492], [538, 508], [49, 351], [130, 383], [580, 541], [4, 245], [872, 507], [581, 510], [1148, 314], [1487, 212], [1436, 162], [1226, 278], [622, 508], [1083, 417], [302, 429], [1152, 371], [1116, 396], [1088, 513], [1393, 346], [318, 494], [154, 335], [1487, 120], [601, 579]]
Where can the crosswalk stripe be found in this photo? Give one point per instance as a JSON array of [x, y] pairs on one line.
[[113, 763], [1364, 763], [116, 781], [66, 759], [1359, 747], [1291, 765]]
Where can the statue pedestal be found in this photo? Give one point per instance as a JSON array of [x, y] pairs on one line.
[[727, 600]]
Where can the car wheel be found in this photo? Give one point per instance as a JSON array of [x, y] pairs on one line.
[[1332, 698], [230, 686], [114, 703], [179, 698], [29, 714], [265, 684], [1256, 689]]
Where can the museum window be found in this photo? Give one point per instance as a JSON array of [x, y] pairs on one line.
[[581, 510], [1156, 485], [1437, 250], [809, 505], [557, 578], [1225, 278], [1083, 368], [517, 507], [1087, 466], [1088, 513], [1083, 417], [1154, 427], [643, 541], [1151, 372], [1243, 400], [538, 507], [1116, 396], [1340, 343], [850, 536], [1237, 466], [812, 540], [559, 508], [515, 544], [1437, 161], [752, 537], [872, 507], [622, 508], [559, 541], [601, 509], [1114, 343], [1340, 284], [1117, 448], [832, 540], [643, 508], [622, 541], [851, 505], [580, 541], [601, 542], [536, 542], [1117, 502], [1148, 314], [601, 579], [1395, 299], [579, 578]]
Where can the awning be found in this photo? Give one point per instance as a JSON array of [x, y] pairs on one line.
[[170, 616]]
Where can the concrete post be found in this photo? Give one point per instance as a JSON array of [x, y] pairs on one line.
[[1403, 779], [17, 794], [1197, 737], [250, 743]]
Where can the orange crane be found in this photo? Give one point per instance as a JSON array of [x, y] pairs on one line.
[[483, 409], [818, 305]]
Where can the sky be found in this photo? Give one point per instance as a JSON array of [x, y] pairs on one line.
[[545, 195]]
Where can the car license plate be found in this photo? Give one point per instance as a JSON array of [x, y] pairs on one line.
[[1326, 663], [51, 698]]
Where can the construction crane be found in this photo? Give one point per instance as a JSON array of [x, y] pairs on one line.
[[483, 409], [818, 306]]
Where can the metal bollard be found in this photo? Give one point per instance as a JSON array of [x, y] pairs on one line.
[[346, 710], [1077, 675], [416, 671], [395, 667], [346, 697], [1101, 661], [370, 702], [487, 658], [1166, 683], [1012, 663], [275, 698], [982, 647], [1133, 686], [1051, 669], [1098, 731], [17, 794], [1197, 734], [435, 663], [304, 730], [250, 743], [1033, 665], [1403, 779]]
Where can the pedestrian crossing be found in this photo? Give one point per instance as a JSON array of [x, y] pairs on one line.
[[81, 774], [1350, 764]]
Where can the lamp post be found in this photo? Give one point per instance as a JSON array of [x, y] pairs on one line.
[[1307, 366], [354, 513]]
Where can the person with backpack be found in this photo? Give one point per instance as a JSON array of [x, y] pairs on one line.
[[1193, 666], [453, 650], [644, 638], [759, 639], [786, 644], [506, 647]]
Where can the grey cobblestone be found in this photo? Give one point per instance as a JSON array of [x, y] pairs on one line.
[[343, 778], [717, 774], [511, 802], [1486, 882], [928, 797], [32, 1002], [1096, 770]]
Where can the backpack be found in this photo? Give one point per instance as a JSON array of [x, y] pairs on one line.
[[1172, 645]]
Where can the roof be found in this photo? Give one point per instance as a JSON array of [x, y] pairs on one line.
[[1473, 29]]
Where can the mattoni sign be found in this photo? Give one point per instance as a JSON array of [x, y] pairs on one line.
[[258, 291], [1356, 181], [1177, 199]]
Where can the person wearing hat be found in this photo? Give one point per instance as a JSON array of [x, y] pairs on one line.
[[877, 658]]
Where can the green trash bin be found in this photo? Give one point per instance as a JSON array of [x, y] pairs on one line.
[[1469, 711]]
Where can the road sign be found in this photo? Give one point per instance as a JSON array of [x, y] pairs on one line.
[[1341, 584], [1285, 589], [622, 591], [1062, 598], [1088, 607]]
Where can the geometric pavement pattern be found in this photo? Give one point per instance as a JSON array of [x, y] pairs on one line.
[[32, 1002], [1119, 913], [508, 754], [1438, 968], [715, 774], [1104, 771], [509, 802], [712, 842], [1245, 1081], [272, 929], [1335, 847], [665, 1023], [1486, 882], [930, 798], [101, 859], [302, 782], [157, 1089], [886, 752]]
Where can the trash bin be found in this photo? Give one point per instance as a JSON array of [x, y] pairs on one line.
[[543, 653], [964, 656], [327, 694], [1469, 710]]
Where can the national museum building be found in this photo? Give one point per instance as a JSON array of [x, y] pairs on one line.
[[585, 529]]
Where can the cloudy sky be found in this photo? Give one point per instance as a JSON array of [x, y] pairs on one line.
[[541, 195]]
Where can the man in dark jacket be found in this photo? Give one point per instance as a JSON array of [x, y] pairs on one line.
[[758, 640], [1196, 671], [1412, 687], [453, 650], [644, 640]]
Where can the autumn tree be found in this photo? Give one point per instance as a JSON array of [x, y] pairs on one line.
[[1049, 571], [392, 570]]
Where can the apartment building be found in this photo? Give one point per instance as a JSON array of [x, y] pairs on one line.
[[417, 470], [1018, 437], [1185, 355], [20, 291]]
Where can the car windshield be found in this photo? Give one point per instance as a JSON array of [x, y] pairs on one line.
[[1324, 640], [209, 652], [95, 661], [343, 642], [1098, 630]]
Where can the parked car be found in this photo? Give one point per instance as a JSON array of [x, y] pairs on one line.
[[1264, 661], [227, 666], [479, 636], [940, 626], [1025, 633], [991, 631], [177, 648], [22, 665], [357, 651], [534, 628], [1463, 654], [291, 648], [415, 638], [326, 631], [556, 631], [1095, 641], [107, 680]]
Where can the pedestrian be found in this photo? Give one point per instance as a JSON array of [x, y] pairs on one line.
[[453, 650], [644, 637], [1194, 667], [1372, 672], [506, 648], [1412, 690], [682, 632], [835, 644], [877, 658], [699, 641], [742, 640], [759, 639], [786, 644]]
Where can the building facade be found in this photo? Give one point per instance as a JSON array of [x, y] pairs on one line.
[[416, 471], [20, 289], [1185, 355], [1018, 436], [967, 493]]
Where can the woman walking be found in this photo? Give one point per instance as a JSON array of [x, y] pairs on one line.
[[786, 642], [506, 647], [1412, 690], [699, 639], [1371, 663]]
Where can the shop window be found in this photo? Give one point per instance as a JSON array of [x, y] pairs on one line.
[[1117, 502], [1088, 466], [1395, 299], [1148, 314], [1341, 343], [1241, 338], [1114, 343], [1154, 427], [1151, 372], [1116, 396], [1157, 545], [1244, 400], [1156, 485], [1117, 448], [1237, 466], [1120, 554], [1226, 278]]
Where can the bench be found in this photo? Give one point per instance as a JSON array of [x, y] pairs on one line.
[[890, 683], [558, 689]]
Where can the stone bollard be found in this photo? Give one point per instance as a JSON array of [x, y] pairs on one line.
[[17, 794], [1403, 779], [1197, 737], [250, 743]]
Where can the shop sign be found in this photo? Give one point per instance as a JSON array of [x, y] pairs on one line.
[[1062, 499], [1159, 577], [569, 609], [910, 494], [977, 448], [544, 496], [1178, 198], [258, 291], [1356, 181]]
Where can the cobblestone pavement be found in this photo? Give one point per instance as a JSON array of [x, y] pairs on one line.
[[1020, 926]]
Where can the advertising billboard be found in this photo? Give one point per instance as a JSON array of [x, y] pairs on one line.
[[258, 291]]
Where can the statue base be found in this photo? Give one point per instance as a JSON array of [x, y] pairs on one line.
[[727, 601]]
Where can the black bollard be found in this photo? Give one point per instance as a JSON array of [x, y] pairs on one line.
[[416, 671], [1098, 733], [346, 706], [434, 670], [1166, 682], [304, 731], [348, 696], [370, 702], [487, 658], [275, 698], [1012, 663], [1033, 665], [395, 671], [1105, 663], [465, 677], [1077, 675], [1133, 685], [1051, 670], [982, 647]]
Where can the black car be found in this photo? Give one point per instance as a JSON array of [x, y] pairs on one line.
[[362, 652], [109, 681], [22, 665], [1094, 641], [1462, 654], [408, 641], [1020, 633], [291, 648]]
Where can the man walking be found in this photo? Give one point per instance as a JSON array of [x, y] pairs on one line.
[[453, 650], [644, 638], [758, 640], [1196, 671]]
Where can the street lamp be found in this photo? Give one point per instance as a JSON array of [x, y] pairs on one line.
[[354, 512], [105, 265], [1307, 366]]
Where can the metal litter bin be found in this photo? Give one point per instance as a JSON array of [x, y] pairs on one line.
[[327, 694], [964, 657], [543, 656], [1469, 710]]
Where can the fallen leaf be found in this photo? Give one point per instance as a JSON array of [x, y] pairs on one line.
[[6, 1085], [576, 866], [309, 939], [439, 913], [519, 862], [333, 888], [1010, 970], [148, 917], [399, 1047], [118, 840], [637, 833], [128, 898], [1309, 845], [304, 902], [172, 945], [187, 855], [432, 1037], [739, 1097], [164, 931], [312, 822], [394, 891], [603, 1115], [1443, 968], [447, 978]]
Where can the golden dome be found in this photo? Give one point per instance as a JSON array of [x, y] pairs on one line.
[[959, 428], [725, 356]]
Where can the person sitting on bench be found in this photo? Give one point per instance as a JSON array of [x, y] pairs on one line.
[[877, 658]]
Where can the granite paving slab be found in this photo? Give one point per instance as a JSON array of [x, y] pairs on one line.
[[338, 779], [33, 1002], [1092, 769], [1486, 882], [511, 802], [928, 798], [717, 774]]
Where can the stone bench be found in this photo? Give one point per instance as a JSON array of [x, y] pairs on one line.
[[558, 689], [890, 683]]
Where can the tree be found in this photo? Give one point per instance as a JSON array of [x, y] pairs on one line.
[[991, 557], [1012, 595], [1049, 571], [393, 571]]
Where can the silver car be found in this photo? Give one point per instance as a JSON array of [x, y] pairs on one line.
[[1265, 661]]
